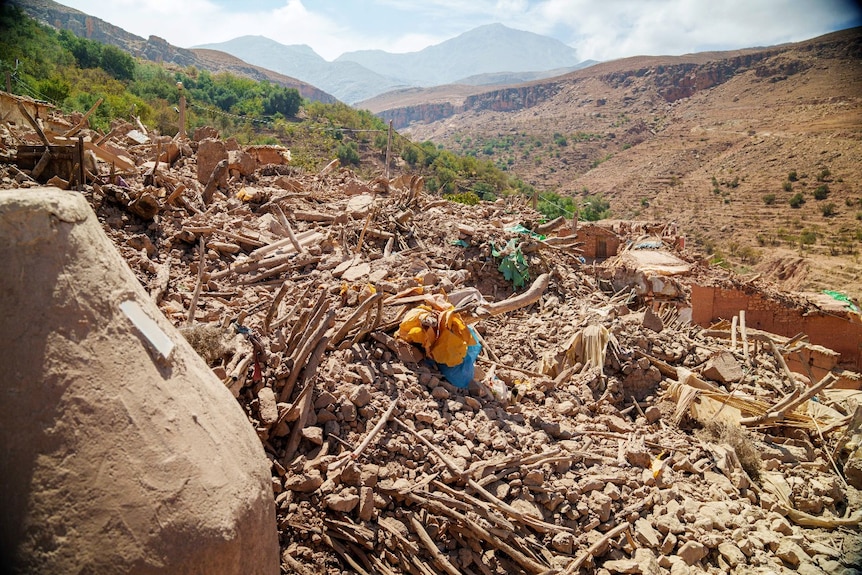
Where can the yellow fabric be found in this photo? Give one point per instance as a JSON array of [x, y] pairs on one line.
[[443, 335]]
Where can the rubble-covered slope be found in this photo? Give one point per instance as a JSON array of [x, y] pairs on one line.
[[597, 436]]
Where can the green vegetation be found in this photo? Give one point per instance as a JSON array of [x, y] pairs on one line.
[[797, 200], [787, 186], [792, 176], [594, 208], [74, 73], [828, 210], [467, 198], [822, 192], [552, 205], [769, 199]]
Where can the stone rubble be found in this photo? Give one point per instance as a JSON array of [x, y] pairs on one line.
[[305, 276]]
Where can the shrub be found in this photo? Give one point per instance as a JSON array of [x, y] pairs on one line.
[[769, 199], [347, 153], [824, 173], [821, 192], [787, 186], [467, 198], [807, 237], [797, 200], [828, 210], [792, 176]]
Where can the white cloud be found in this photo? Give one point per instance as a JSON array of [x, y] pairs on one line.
[[599, 30]]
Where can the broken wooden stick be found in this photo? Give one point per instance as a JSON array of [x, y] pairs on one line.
[[744, 332], [83, 121], [530, 296], [595, 548], [440, 559], [198, 283], [213, 183], [354, 455], [307, 404], [783, 407]]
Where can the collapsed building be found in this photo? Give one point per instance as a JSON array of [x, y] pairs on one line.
[[641, 413]]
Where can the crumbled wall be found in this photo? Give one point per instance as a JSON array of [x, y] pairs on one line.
[[842, 334]]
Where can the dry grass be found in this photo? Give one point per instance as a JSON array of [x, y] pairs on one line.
[[739, 440], [207, 340]]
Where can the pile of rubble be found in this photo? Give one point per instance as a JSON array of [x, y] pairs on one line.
[[598, 434]]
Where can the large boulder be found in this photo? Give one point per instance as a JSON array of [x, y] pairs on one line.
[[120, 451]]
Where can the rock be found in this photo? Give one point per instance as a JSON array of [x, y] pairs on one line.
[[646, 535], [781, 525], [534, 477], [563, 542], [155, 465], [242, 162], [566, 408], [668, 544], [644, 561], [853, 471], [678, 566], [304, 482], [722, 367], [268, 406], [622, 566], [691, 552], [791, 553], [652, 414], [731, 553], [345, 501], [652, 320], [210, 152], [313, 434], [360, 395], [669, 524], [638, 457], [600, 505], [366, 503], [440, 392]]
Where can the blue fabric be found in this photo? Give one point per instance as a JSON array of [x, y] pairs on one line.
[[462, 374]]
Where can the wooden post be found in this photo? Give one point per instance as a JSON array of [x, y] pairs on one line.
[[744, 332], [388, 149], [181, 134], [81, 169]]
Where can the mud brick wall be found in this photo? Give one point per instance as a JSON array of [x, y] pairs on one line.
[[841, 334], [592, 236]]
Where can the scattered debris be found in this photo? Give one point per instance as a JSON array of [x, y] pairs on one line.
[[573, 448]]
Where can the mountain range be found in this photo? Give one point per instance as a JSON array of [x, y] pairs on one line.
[[486, 55]]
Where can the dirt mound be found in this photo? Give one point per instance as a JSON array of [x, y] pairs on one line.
[[122, 453]]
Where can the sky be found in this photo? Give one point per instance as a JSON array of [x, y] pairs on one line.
[[597, 29]]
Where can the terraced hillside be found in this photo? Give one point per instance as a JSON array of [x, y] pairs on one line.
[[719, 142]]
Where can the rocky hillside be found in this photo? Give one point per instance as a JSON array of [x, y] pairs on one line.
[[754, 153], [157, 49]]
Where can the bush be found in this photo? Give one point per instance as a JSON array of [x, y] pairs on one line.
[[347, 154], [821, 192], [828, 210], [594, 208], [787, 186], [467, 198], [797, 200], [807, 237], [769, 199], [792, 176]]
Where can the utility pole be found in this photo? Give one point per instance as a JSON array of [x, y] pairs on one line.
[[8, 82], [181, 134]]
